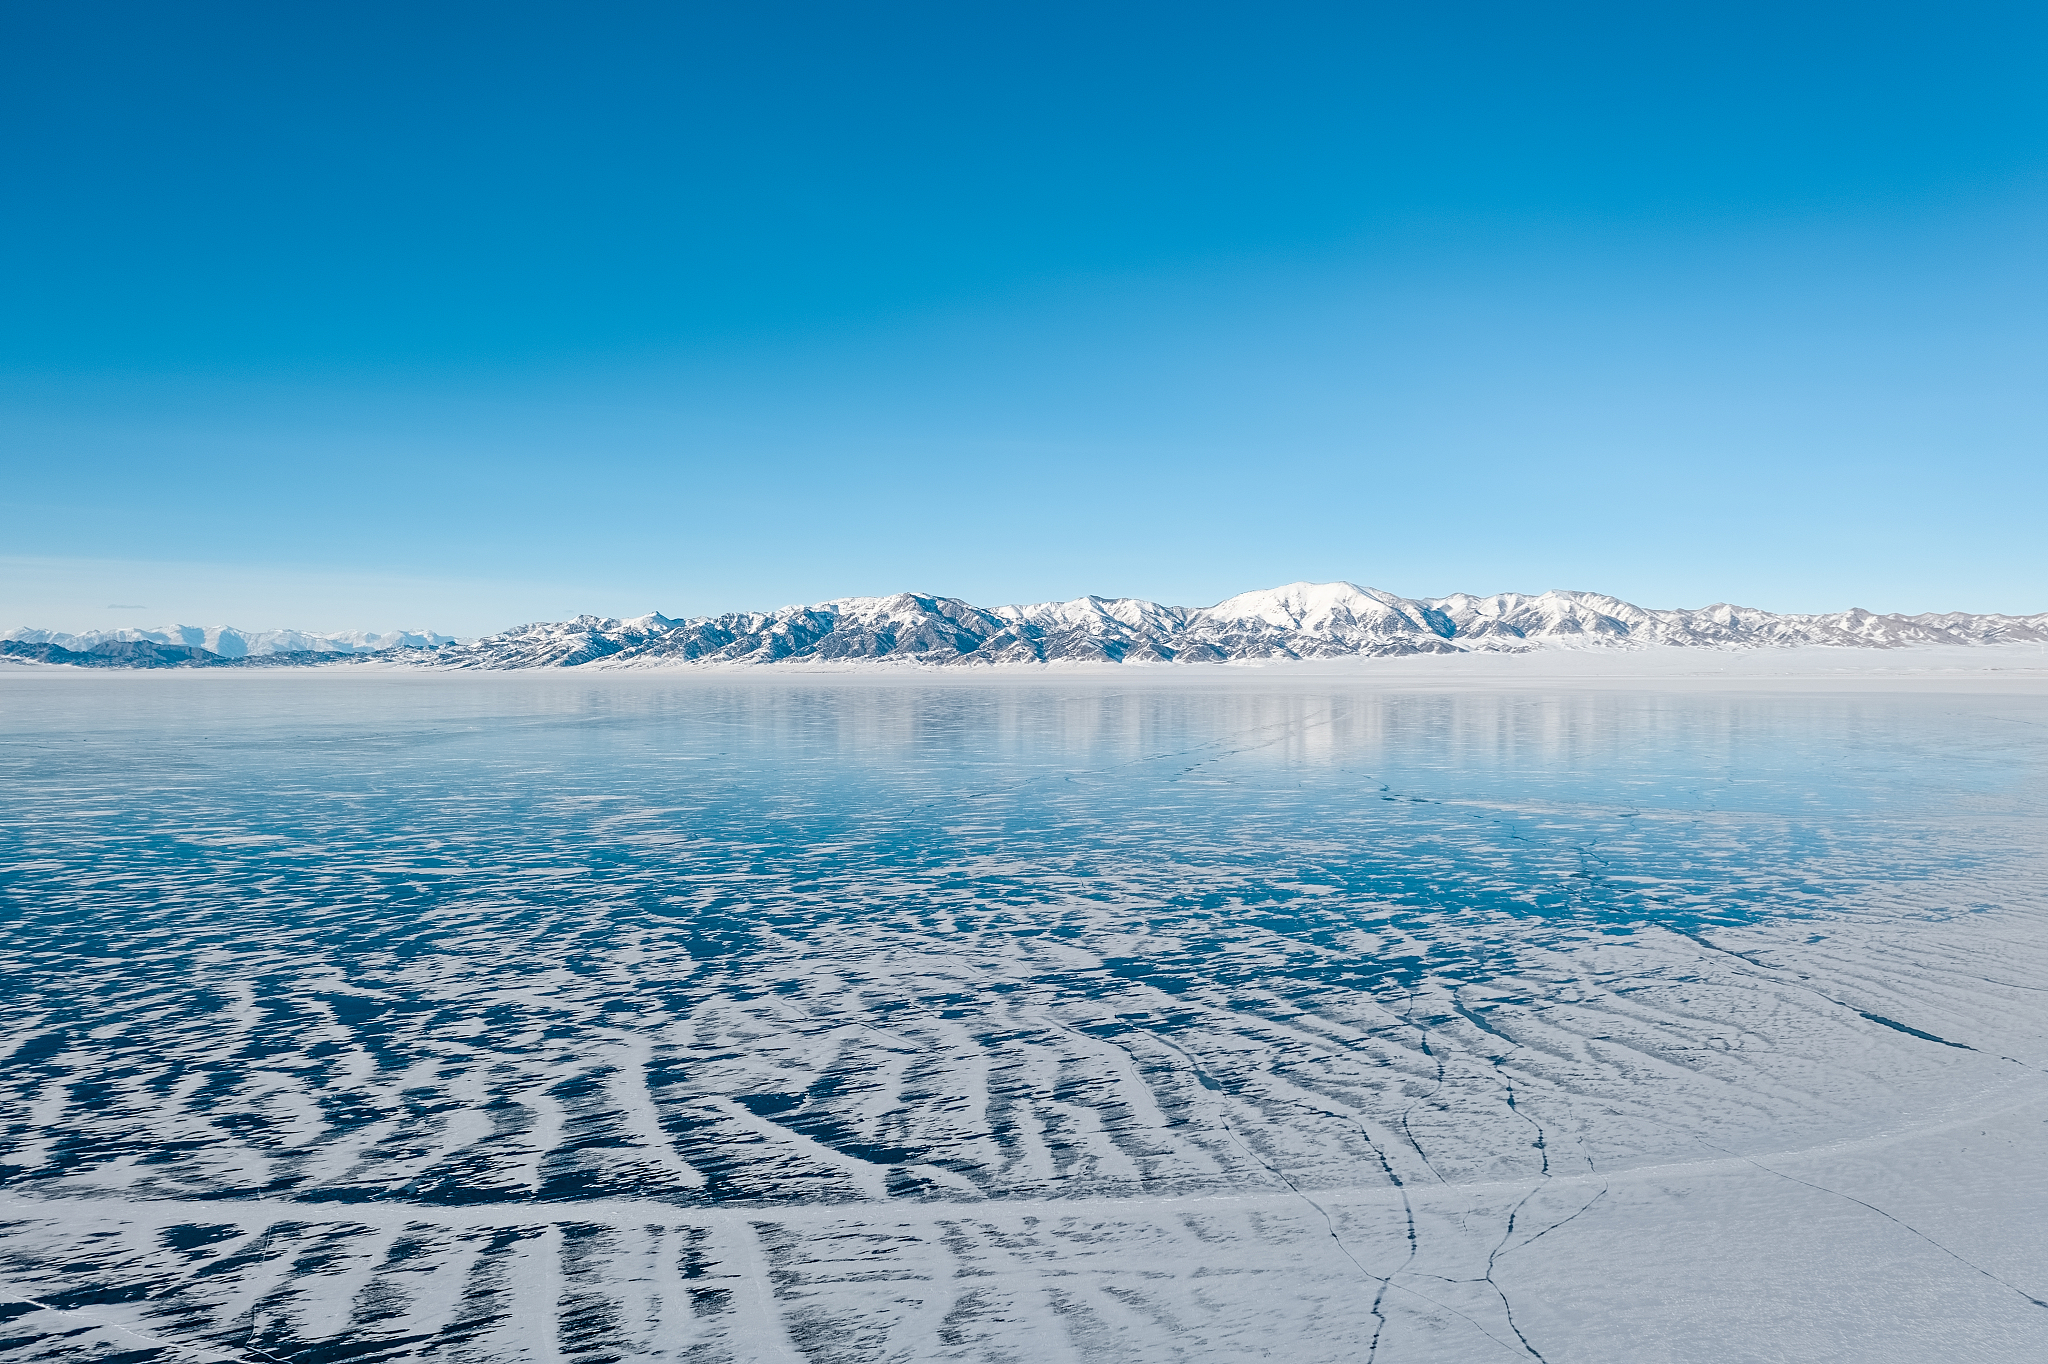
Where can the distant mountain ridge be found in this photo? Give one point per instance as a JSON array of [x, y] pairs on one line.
[[1297, 621]]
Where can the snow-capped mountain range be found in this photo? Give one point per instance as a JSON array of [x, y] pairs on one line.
[[1298, 621]]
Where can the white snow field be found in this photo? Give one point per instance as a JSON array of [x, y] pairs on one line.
[[1575, 1007]]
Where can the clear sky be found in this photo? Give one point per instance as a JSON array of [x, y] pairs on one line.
[[455, 315]]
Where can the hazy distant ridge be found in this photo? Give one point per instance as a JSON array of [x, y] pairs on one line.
[[224, 641]]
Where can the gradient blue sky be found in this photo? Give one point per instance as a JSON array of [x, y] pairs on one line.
[[456, 315]]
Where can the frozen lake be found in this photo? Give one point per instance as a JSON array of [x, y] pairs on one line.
[[1208, 1015]]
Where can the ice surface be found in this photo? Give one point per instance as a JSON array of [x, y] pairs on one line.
[[1441, 1014]]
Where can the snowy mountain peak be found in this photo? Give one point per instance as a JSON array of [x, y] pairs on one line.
[[1324, 608]]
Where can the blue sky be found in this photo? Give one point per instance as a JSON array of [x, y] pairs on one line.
[[458, 315]]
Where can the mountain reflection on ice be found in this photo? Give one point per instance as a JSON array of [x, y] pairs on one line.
[[387, 1016]]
